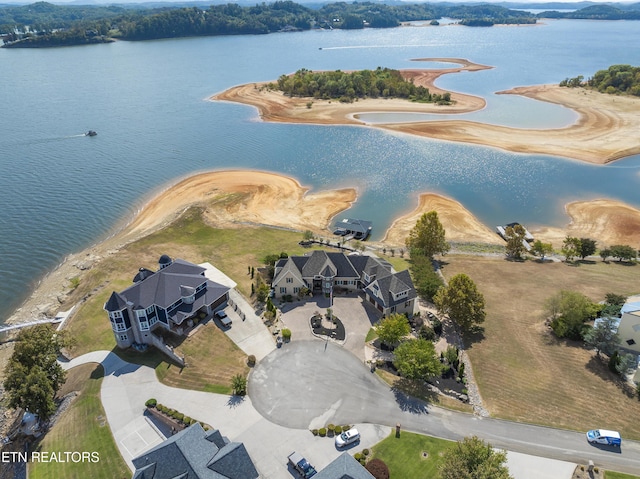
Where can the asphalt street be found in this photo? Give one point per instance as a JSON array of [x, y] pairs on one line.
[[307, 384]]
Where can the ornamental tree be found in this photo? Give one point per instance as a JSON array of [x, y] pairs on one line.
[[417, 359], [392, 329], [461, 301], [472, 458], [428, 236]]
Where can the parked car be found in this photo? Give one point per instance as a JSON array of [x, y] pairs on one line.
[[300, 464], [604, 436], [348, 437], [224, 319]]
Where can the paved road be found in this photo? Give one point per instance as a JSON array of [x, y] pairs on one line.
[[307, 384]]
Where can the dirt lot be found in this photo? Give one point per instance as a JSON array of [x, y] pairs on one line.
[[523, 371]]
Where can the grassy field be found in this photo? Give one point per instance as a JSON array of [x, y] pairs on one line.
[[526, 374], [411, 455], [83, 428]]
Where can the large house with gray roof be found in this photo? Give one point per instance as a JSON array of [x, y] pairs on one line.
[[196, 454], [170, 299], [323, 272]]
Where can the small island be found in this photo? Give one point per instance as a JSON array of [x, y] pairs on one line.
[[605, 130]]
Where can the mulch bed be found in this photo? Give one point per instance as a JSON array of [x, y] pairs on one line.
[[337, 332]]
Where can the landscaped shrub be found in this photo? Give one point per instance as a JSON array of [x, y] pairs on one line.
[[251, 361], [357, 456], [286, 334], [151, 403], [187, 420], [338, 430], [330, 428], [322, 432], [314, 432], [346, 428], [179, 416], [365, 452], [378, 469]]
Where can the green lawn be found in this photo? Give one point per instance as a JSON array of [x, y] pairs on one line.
[[619, 475], [411, 455], [82, 428]]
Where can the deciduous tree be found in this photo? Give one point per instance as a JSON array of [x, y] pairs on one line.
[[33, 374], [623, 252], [587, 247], [428, 236], [515, 236], [392, 329], [567, 311], [571, 248], [603, 337], [541, 249], [417, 359], [461, 301], [472, 458]]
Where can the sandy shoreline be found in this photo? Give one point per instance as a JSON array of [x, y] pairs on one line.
[[606, 129], [240, 198]]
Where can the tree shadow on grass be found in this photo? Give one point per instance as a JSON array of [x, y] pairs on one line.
[[412, 396], [475, 335], [598, 366]]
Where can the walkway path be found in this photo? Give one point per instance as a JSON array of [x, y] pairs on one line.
[[126, 387]]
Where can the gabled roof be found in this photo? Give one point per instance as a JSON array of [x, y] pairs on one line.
[[283, 267], [344, 467], [165, 287], [390, 285], [195, 454]]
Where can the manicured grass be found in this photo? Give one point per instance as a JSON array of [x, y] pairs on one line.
[[411, 455], [371, 335], [524, 373], [82, 428], [619, 475]]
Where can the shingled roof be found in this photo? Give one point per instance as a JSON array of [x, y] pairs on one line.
[[195, 454], [344, 467]]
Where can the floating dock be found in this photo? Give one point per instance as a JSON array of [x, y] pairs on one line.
[[353, 228]]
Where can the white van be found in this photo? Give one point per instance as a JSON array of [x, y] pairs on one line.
[[604, 436]]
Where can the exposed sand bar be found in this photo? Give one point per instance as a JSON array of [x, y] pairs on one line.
[[244, 197], [230, 199], [609, 222], [606, 130]]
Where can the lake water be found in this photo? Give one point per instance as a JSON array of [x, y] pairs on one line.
[[61, 191]]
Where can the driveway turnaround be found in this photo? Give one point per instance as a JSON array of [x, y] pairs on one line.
[[307, 384]]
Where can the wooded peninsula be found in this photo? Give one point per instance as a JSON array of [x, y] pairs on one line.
[[44, 25]]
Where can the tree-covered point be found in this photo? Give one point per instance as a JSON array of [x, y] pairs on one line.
[[381, 82], [615, 80]]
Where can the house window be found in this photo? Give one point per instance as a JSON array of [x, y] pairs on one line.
[[153, 321], [116, 314], [296, 290], [283, 290], [289, 280], [120, 326], [630, 342], [123, 337], [150, 310], [144, 324], [407, 304]]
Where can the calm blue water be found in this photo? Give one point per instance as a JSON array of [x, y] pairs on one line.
[[60, 192]]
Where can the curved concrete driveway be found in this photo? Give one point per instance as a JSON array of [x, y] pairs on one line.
[[312, 383]]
